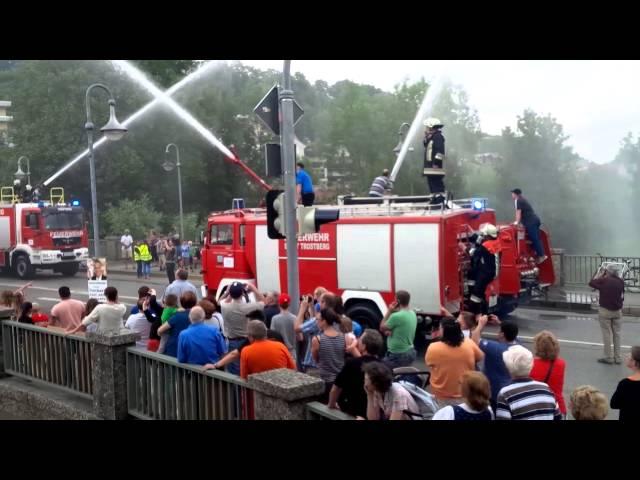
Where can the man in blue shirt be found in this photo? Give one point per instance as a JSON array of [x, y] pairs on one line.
[[304, 186], [494, 367], [200, 344], [177, 323]]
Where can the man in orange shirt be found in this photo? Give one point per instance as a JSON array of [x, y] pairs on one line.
[[263, 354], [448, 360]]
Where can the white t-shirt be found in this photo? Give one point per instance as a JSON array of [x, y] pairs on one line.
[[447, 413], [138, 323], [109, 317], [126, 241]]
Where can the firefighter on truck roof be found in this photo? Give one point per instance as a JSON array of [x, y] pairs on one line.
[[433, 158], [485, 259]]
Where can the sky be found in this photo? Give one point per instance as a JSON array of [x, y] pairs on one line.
[[596, 101]]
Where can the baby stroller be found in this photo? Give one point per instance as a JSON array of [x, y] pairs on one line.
[[415, 382]]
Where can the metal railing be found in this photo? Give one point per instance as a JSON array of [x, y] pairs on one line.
[[580, 269], [319, 411], [48, 355], [161, 388]]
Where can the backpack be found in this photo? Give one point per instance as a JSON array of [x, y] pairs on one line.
[[427, 404]]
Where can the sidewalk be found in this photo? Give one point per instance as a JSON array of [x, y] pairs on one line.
[[118, 267], [584, 299]]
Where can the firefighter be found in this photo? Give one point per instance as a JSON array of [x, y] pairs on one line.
[[485, 259], [17, 191], [434, 158]]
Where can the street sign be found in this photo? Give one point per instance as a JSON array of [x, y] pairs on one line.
[[268, 110]]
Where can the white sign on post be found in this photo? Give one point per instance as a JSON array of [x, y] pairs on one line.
[[96, 289]]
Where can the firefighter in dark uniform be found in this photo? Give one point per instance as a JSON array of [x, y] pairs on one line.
[[485, 262], [434, 158]]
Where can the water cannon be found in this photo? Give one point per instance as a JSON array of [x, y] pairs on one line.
[[310, 219]]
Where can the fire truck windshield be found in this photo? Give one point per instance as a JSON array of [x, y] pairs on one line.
[[56, 220]]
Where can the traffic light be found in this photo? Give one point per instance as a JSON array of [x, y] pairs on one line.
[[310, 219], [275, 214]]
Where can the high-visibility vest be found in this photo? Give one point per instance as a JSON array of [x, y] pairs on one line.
[[136, 253], [145, 255]]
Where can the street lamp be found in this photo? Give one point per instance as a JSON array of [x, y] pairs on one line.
[[20, 174], [114, 131], [401, 139], [168, 166]]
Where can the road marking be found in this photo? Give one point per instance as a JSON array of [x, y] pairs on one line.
[[560, 340], [49, 289]]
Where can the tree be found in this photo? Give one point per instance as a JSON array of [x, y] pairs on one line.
[[536, 159], [138, 216]]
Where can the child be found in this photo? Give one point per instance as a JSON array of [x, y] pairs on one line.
[[25, 314], [170, 307], [346, 327], [41, 319], [468, 322]]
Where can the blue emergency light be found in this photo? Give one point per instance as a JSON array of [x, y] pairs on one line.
[[479, 204], [75, 203]]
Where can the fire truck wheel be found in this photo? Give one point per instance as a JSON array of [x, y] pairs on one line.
[[366, 315], [69, 270], [23, 267]]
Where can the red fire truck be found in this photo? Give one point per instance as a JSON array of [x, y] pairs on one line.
[[376, 248], [48, 235]]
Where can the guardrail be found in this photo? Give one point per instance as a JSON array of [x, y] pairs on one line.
[[319, 411], [48, 355], [161, 388], [579, 269]]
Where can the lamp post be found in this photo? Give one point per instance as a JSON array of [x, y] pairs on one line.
[[114, 131], [401, 135], [20, 174], [168, 166]]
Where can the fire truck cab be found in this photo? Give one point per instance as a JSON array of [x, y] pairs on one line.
[[41, 236], [377, 247]]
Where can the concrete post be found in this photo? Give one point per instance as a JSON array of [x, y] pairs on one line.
[[5, 314], [109, 373], [557, 257], [283, 394]]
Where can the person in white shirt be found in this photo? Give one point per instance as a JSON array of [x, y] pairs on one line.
[[126, 241], [139, 324], [109, 316], [477, 396]]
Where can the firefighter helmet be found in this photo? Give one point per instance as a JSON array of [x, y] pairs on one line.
[[433, 122], [489, 230]]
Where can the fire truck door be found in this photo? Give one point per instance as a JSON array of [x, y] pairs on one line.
[[30, 227], [221, 246]]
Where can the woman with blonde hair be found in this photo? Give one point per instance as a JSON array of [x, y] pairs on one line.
[[588, 403], [476, 392], [548, 366]]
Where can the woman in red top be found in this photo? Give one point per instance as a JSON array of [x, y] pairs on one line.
[[548, 367]]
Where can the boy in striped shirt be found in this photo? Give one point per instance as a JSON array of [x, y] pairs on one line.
[[524, 398]]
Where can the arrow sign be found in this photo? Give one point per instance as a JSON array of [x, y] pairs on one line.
[[268, 110]]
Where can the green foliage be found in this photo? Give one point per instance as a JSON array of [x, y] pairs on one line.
[[137, 215], [349, 128]]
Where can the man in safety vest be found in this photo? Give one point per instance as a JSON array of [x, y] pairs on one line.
[[433, 159], [485, 263], [145, 258]]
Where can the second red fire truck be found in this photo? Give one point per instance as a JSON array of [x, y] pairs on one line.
[[376, 248]]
